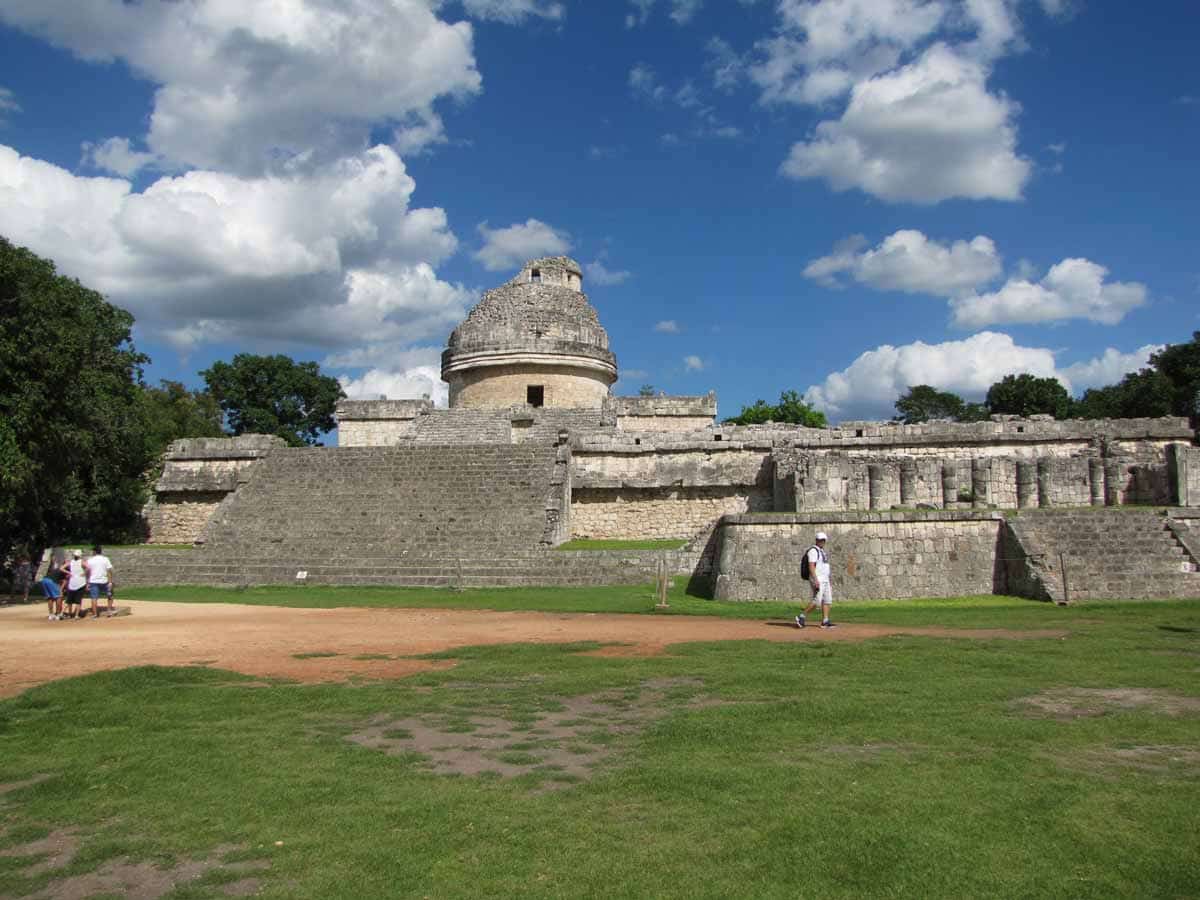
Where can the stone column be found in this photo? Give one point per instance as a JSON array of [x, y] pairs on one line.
[[1045, 481], [1112, 482], [1096, 480], [950, 485], [875, 476], [908, 482], [1026, 484], [981, 482]]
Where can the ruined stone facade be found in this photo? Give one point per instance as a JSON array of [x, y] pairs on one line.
[[535, 340], [913, 510], [198, 474]]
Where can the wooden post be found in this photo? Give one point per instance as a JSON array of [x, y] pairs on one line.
[[1062, 565], [661, 583]]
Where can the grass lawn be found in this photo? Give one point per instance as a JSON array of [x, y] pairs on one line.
[[900, 767]]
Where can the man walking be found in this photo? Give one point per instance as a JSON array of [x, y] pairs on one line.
[[817, 563]]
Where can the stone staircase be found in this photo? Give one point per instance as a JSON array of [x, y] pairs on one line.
[[314, 504], [1109, 554], [463, 426], [531, 568], [409, 516]]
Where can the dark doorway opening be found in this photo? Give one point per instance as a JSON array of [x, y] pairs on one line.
[[535, 395]]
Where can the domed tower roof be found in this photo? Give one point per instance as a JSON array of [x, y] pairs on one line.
[[541, 318]]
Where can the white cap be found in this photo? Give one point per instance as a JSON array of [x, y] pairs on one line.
[[822, 536], [77, 553]]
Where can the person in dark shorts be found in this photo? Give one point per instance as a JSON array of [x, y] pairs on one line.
[[76, 582], [24, 577]]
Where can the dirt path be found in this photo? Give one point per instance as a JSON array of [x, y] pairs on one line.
[[265, 640]]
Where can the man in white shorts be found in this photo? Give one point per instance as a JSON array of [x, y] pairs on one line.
[[818, 578]]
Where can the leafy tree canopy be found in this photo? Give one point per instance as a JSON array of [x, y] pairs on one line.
[[72, 453], [791, 409], [1027, 395], [171, 411], [1180, 365], [274, 395], [923, 402], [646, 390]]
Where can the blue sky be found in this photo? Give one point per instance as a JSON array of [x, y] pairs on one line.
[[842, 197]]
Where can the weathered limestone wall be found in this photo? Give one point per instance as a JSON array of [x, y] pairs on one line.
[[378, 423], [893, 554], [198, 474], [179, 518], [499, 387], [663, 413], [659, 513], [1193, 477], [1183, 473]]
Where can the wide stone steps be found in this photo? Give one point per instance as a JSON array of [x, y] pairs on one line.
[[149, 567], [307, 498], [1107, 554]]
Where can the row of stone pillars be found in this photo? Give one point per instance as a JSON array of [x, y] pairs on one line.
[[1035, 483]]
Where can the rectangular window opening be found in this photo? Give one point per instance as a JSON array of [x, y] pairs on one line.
[[858, 432], [535, 275], [535, 395]]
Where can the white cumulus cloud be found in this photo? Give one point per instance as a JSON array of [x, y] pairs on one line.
[[693, 363], [242, 86], [1072, 289], [1109, 367], [911, 262], [333, 257], [869, 387], [923, 133], [117, 156], [667, 326], [508, 248], [420, 382], [601, 274]]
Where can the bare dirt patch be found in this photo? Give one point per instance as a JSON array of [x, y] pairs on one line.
[[372, 644], [1160, 761], [564, 745], [1077, 703], [124, 877], [10, 786]]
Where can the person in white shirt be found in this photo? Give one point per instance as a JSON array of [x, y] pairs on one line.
[[99, 571], [819, 579], [76, 582]]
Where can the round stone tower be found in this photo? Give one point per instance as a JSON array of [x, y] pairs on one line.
[[535, 340]]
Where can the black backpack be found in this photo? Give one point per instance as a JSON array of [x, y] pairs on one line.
[[805, 571]]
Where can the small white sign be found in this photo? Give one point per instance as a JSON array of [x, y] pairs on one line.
[[302, 575]]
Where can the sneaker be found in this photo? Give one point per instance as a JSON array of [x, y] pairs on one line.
[[50, 618], [800, 620], [828, 624]]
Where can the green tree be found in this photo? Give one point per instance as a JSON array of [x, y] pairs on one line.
[[72, 454], [171, 411], [1180, 364], [274, 395], [791, 408], [1027, 395], [922, 402], [646, 390], [1147, 393]]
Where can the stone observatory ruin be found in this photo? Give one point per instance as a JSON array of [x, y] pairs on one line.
[[534, 341], [534, 450]]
